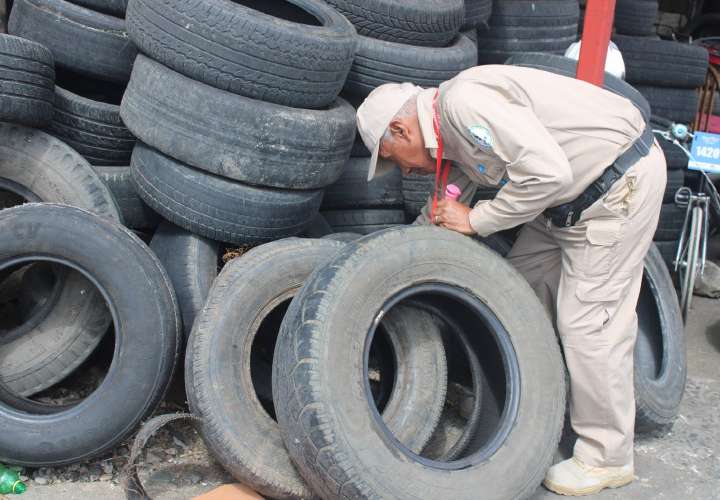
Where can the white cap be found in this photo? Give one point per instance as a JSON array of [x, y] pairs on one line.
[[614, 63], [374, 116]]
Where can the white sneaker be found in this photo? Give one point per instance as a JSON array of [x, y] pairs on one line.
[[574, 478]]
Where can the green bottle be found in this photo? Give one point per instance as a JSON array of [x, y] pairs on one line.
[[10, 482]]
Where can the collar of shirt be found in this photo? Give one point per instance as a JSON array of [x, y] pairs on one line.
[[425, 117]]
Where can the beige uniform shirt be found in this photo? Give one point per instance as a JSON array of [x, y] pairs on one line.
[[542, 138]]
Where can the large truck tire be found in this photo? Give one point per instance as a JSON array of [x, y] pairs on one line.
[[329, 424]]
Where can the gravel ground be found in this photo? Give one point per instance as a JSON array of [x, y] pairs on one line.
[[684, 463]]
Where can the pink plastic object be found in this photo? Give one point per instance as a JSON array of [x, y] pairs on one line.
[[452, 192]]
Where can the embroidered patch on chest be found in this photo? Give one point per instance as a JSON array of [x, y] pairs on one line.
[[482, 136]]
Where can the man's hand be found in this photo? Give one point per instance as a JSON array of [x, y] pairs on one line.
[[454, 216]]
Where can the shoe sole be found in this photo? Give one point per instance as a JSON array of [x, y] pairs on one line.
[[615, 483]]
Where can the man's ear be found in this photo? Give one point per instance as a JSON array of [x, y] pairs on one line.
[[399, 130]]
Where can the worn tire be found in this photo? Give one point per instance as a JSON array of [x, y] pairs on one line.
[[675, 157], [568, 67], [477, 13], [517, 26], [218, 208], [314, 370], [678, 105], [191, 263], [663, 63], [378, 62], [660, 359], [234, 334], [670, 223], [667, 250], [92, 128], [81, 40], [410, 22], [675, 180], [364, 221], [252, 51], [135, 212], [636, 17], [27, 80], [417, 190], [353, 190], [36, 167], [251, 141], [146, 330], [112, 7]]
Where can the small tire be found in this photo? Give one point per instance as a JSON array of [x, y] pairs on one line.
[[410, 22], [81, 40], [660, 359], [250, 141], [292, 52], [135, 212], [218, 208], [670, 223], [92, 128], [636, 17], [27, 80], [140, 296], [675, 104], [191, 263], [353, 190], [364, 221], [235, 334], [378, 62], [663, 63], [327, 421]]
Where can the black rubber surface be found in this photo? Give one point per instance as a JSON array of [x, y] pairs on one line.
[[191, 263], [477, 13], [378, 62], [91, 127], [255, 142], [147, 327], [662, 63], [81, 40], [135, 213], [636, 17], [517, 26], [660, 359], [27, 79], [363, 221], [675, 180], [671, 222], [353, 190], [667, 250], [676, 104], [674, 156], [113, 7], [411, 22], [217, 208], [291, 52]]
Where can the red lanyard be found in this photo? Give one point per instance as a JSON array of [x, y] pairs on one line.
[[441, 170]]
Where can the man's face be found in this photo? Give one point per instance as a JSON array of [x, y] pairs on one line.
[[406, 147]]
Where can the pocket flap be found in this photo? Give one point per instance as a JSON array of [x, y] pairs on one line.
[[602, 290], [604, 232]]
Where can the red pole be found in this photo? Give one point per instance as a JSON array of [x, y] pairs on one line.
[[599, 16]]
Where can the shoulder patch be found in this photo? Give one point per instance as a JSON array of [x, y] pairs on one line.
[[482, 136]]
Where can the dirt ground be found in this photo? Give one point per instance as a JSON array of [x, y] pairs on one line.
[[683, 464]]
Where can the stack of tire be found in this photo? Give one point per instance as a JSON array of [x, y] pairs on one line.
[[236, 113], [416, 41], [68, 269], [94, 58], [668, 74]]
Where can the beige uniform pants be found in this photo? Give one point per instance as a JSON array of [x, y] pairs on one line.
[[589, 277]]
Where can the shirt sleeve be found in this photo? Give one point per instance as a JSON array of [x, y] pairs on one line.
[[462, 181], [537, 169]]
